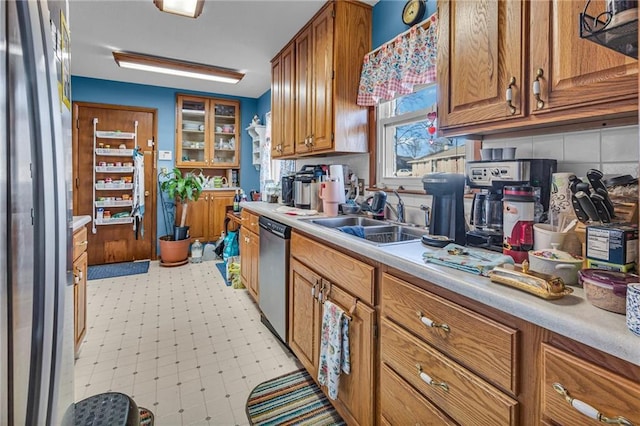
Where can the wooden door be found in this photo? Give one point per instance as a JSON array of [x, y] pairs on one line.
[[219, 201], [115, 243], [304, 90], [355, 393], [304, 316], [197, 217], [80, 267], [246, 259], [277, 119], [480, 50], [577, 72], [193, 132], [322, 70], [288, 100]]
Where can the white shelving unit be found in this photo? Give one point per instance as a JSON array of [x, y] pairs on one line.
[[123, 184], [258, 135]]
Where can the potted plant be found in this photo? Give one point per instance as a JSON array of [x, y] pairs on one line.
[[181, 188]]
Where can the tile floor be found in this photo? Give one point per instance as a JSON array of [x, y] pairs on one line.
[[180, 342]]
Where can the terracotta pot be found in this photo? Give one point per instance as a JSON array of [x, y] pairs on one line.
[[172, 251]]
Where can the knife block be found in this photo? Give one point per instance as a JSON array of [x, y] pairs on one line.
[[626, 211]]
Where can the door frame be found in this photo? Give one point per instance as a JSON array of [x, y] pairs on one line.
[[154, 175]]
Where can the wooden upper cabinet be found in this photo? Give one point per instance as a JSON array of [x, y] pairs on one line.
[[304, 95], [480, 51], [577, 72], [207, 132], [283, 103], [328, 54], [483, 45], [322, 88]]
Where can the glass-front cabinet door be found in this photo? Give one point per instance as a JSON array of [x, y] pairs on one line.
[[207, 132], [191, 131], [225, 131]]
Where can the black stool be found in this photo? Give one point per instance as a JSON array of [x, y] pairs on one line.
[[108, 409]]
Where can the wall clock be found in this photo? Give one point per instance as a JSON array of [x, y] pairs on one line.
[[413, 11]]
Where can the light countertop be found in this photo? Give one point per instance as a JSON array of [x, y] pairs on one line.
[[80, 221], [571, 316]]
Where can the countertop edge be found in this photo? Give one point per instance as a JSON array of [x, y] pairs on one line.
[[578, 320], [80, 221]]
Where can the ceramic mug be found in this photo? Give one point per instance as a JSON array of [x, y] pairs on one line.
[[633, 308], [219, 181]]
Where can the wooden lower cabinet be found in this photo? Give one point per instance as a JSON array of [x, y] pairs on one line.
[[80, 267], [249, 261], [250, 252], [593, 387], [308, 289], [402, 404], [206, 216]]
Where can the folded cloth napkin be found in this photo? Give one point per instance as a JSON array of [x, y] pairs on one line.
[[466, 259], [356, 230], [334, 348]]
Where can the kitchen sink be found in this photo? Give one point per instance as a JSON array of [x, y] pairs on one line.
[[339, 221], [377, 232], [392, 234]]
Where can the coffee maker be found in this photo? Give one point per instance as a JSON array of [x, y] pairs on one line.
[[286, 187], [447, 205], [491, 177], [306, 184]]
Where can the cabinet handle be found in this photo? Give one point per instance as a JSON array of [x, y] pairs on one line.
[[509, 95], [431, 323], [588, 410], [536, 88], [428, 380], [82, 243]]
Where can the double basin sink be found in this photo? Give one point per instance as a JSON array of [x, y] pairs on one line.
[[374, 231]]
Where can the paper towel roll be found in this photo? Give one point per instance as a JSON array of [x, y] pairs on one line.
[[336, 172]]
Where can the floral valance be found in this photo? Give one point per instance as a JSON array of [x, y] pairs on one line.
[[398, 65]]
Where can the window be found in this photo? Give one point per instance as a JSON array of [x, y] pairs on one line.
[[408, 145]]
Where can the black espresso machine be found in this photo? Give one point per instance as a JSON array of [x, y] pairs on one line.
[[491, 177]]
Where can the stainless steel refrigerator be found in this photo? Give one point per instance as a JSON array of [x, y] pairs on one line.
[[36, 291]]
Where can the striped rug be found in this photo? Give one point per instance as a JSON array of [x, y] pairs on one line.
[[292, 399]]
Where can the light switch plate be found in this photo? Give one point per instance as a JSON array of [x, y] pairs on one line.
[[165, 155]]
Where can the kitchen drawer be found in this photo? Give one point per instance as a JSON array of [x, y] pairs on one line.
[[610, 394], [481, 344], [354, 276], [79, 242], [401, 404], [250, 221], [467, 398]]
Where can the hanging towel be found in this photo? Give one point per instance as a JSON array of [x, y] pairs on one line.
[[137, 211], [334, 348], [475, 261]]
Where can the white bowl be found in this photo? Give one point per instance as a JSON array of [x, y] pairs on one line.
[[556, 262]]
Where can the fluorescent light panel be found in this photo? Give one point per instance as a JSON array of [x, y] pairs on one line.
[[190, 8], [175, 67]]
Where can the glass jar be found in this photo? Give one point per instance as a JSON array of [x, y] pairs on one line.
[[196, 252]]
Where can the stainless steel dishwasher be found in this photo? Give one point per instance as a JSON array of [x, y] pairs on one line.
[[274, 275]]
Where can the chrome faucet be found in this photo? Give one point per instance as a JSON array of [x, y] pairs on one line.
[[427, 215], [399, 208]]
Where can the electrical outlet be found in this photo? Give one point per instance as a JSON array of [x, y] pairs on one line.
[[164, 171], [361, 186]]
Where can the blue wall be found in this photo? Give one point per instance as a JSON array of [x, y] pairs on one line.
[[387, 20], [164, 100], [264, 105]]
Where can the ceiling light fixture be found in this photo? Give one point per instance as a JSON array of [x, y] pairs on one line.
[[190, 8], [176, 67]]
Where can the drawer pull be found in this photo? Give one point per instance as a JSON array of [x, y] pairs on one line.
[[431, 323], [428, 380], [82, 243], [588, 410]]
